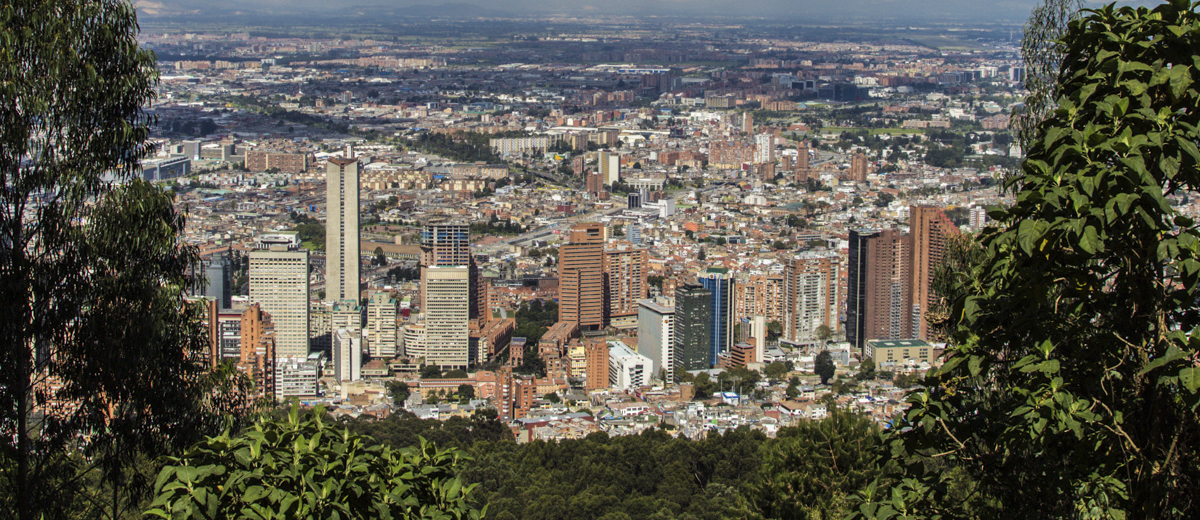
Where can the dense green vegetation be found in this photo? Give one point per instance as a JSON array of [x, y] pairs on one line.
[[1071, 388], [461, 146]]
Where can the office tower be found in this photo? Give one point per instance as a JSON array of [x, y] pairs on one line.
[[693, 314], [764, 148], [219, 275], [347, 356], [857, 267], [720, 284], [581, 277], [610, 167], [748, 123], [341, 230], [811, 295], [279, 282], [930, 228], [446, 309], [381, 325], [320, 326], [858, 168], [634, 200], [596, 352], [626, 270], [878, 296], [656, 335], [447, 243]]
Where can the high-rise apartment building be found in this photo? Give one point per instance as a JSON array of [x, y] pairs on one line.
[[626, 270], [693, 314], [930, 227], [446, 310], [656, 335], [878, 300], [758, 294], [341, 229], [381, 325], [581, 277], [858, 168], [748, 123], [595, 183], [279, 282], [596, 353], [811, 283], [764, 148], [721, 284]]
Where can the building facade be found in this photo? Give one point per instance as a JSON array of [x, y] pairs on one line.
[[342, 260], [279, 282]]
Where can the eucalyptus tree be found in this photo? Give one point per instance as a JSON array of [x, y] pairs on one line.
[[102, 363]]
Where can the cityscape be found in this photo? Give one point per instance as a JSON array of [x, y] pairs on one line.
[[661, 260], [688, 208]]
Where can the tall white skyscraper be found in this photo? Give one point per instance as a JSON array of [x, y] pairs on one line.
[[446, 309], [279, 283], [341, 230], [656, 335], [764, 148]]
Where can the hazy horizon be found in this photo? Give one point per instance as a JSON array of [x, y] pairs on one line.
[[806, 11]]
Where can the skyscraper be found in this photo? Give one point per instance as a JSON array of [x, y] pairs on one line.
[[856, 287], [764, 148], [693, 313], [581, 277], [219, 276], [656, 335], [811, 292], [446, 310], [748, 123], [341, 229], [448, 243], [279, 283], [930, 227], [720, 284]]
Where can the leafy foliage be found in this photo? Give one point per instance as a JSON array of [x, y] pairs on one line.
[[1071, 385], [811, 470], [824, 367], [308, 468]]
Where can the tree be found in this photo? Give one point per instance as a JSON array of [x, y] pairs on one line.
[[466, 392], [79, 256], [884, 200], [1070, 386], [1042, 50], [811, 469], [823, 332], [824, 367], [553, 397], [329, 473], [866, 370], [379, 259], [399, 391], [775, 370]]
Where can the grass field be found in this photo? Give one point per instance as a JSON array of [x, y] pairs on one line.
[[874, 131]]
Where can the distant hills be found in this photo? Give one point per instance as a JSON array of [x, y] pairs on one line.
[[809, 11]]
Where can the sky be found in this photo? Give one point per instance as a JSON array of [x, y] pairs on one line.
[[809, 11]]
